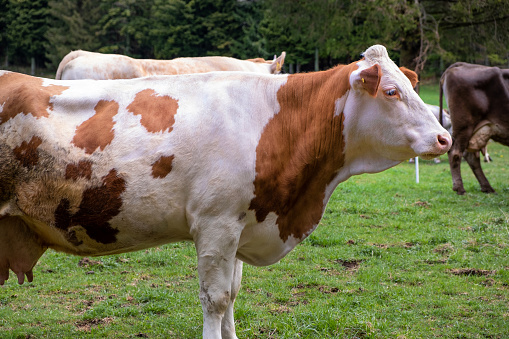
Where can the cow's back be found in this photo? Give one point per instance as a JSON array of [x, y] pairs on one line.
[[203, 65], [90, 65]]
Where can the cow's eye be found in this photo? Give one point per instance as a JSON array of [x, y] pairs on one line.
[[391, 92]]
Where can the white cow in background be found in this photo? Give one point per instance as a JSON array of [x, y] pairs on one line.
[[90, 65]]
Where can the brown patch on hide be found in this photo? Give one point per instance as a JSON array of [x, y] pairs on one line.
[[162, 167], [97, 132], [157, 112], [26, 153], [98, 206], [23, 94], [82, 170], [301, 150]]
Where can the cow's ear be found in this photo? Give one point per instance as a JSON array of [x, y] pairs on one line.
[[411, 75], [369, 79], [277, 64]]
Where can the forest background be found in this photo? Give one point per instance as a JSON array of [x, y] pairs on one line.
[[424, 35]]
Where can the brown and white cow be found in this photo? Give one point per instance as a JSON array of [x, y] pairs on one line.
[[242, 164], [478, 101], [90, 65]]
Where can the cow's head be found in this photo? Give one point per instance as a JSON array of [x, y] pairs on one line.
[[385, 118]]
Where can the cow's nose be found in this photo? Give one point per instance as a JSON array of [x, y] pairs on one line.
[[444, 142]]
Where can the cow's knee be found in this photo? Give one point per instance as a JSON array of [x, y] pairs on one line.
[[213, 301]]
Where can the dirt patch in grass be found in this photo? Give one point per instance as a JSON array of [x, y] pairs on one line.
[[424, 204], [86, 325], [267, 333], [87, 262], [280, 309], [444, 249], [351, 264], [471, 271], [435, 262]]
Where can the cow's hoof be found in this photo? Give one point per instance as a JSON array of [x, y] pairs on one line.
[[487, 190], [459, 190]]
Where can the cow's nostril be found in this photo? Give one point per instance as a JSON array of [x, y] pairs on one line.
[[444, 141]]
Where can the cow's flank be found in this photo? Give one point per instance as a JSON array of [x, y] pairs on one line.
[[81, 170], [104, 199], [26, 153]]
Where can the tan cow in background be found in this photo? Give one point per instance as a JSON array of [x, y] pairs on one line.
[[90, 65]]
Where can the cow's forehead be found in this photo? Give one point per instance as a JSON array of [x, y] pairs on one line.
[[377, 54]]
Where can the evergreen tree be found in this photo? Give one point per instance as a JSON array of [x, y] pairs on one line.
[[124, 27], [184, 28], [250, 43], [73, 25], [26, 24], [3, 31]]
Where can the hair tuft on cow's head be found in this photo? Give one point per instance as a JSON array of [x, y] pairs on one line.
[[375, 54]]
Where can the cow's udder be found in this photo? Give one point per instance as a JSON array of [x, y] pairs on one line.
[[20, 249]]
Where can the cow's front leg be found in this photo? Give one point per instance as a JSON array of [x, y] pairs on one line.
[[455, 156], [228, 324], [216, 266], [474, 161]]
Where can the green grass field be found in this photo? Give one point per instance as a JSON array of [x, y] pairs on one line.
[[390, 259], [430, 94]]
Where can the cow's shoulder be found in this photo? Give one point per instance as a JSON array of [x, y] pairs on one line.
[[23, 94]]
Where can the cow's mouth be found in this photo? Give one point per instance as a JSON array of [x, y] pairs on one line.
[[429, 156]]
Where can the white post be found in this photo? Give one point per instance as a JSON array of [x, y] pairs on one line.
[[417, 169]]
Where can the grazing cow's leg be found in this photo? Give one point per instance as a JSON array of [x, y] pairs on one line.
[[228, 324], [216, 247], [455, 154], [474, 161]]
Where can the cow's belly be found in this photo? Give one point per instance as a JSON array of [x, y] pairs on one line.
[[123, 234]]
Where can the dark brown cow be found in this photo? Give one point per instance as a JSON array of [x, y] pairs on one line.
[[478, 100]]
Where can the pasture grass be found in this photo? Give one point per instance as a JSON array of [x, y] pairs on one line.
[[390, 259]]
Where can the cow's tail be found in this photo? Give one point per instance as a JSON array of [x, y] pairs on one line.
[[68, 58], [441, 112]]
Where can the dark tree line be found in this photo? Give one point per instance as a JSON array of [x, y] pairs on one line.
[[425, 35]]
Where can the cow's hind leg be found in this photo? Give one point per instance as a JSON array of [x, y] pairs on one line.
[[228, 324], [474, 161], [216, 247]]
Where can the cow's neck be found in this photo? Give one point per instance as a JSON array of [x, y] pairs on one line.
[[300, 151]]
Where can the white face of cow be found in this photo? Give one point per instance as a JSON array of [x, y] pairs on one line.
[[390, 123]]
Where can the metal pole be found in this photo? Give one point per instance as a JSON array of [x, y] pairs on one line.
[[417, 169]]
